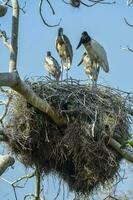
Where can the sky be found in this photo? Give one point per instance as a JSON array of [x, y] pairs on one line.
[[104, 23]]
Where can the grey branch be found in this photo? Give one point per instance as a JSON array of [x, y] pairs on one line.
[[124, 153], [5, 162], [13, 80], [14, 37], [5, 39]]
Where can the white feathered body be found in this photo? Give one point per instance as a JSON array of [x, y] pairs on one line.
[[52, 67], [91, 67], [97, 54]]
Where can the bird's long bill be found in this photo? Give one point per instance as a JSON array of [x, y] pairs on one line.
[[80, 62], [80, 42]]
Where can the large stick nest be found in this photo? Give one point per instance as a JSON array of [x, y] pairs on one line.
[[79, 152]]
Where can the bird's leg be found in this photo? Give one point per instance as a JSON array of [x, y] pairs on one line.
[[61, 71], [50, 76], [67, 75]]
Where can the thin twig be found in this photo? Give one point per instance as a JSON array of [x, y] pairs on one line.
[[41, 15]]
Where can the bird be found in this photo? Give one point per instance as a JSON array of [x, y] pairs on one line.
[[75, 3], [91, 67], [52, 66], [95, 51], [64, 49]]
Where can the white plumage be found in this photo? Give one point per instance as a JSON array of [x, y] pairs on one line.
[[95, 52], [100, 54], [91, 67], [52, 66]]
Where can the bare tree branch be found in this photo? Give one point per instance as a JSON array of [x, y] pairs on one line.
[[117, 146], [13, 80], [5, 162], [129, 2], [5, 39], [93, 2], [15, 185], [128, 22], [40, 12], [14, 37]]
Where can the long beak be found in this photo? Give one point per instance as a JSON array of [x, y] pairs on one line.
[[80, 42], [80, 62]]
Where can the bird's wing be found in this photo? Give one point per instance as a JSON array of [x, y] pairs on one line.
[[101, 53], [56, 45], [58, 67], [69, 46]]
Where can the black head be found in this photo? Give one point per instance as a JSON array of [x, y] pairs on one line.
[[85, 38], [60, 31], [48, 53]]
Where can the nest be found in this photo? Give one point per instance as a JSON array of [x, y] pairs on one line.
[[78, 152]]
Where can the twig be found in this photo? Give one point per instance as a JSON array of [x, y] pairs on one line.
[[5, 162], [41, 15], [38, 183], [5, 39], [13, 184], [131, 25]]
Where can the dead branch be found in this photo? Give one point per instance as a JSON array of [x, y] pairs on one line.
[[15, 185], [5, 162], [14, 37], [38, 183], [41, 15], [131, 25], [12, 78], [129, 2], [125, 154], [5, 39]]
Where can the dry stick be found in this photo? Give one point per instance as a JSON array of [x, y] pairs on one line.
[[5, 162], [12, 80], [14, 37], [38, 183], [13, 184]]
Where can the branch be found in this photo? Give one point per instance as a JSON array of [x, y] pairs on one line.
[[13, 80], [129, 2], [38, 183], [5, 39], [5, 162], [117, 146], [40, 12], [128, 22], [14, 40], [13, 184]]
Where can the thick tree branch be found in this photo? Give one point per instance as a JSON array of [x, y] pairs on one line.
[[5, 162], [14, 41], [117, 146], [13, 80]]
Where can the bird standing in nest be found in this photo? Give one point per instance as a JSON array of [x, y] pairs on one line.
[[52, 66], [64, 49], [94, 57], [91, 68]]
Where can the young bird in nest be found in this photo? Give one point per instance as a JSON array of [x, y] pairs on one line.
[[95, 51], [91, 67], [64, 49], [52, 66]]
